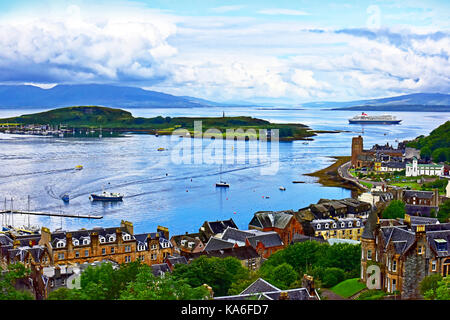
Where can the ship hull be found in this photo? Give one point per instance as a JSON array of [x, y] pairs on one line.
[[102, 198], [374, 121]]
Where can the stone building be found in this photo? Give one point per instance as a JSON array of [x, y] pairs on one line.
[[405, 252], [120, 245]]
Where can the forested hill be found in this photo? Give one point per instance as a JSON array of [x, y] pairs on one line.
[[436, 145], [121, 120]]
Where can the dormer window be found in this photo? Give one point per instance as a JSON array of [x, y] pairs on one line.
[[350, 224], [141, 247], [358, 223], [85, 241], [102, 240], [342, 225], [76, 242], [60, 244], [441, 244], [111, 239], [318, 226], [126, 237], [326, 225], [334, 225]]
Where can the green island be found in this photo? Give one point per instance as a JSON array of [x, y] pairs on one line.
[[117, 120]]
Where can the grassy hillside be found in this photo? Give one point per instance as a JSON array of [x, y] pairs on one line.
[[120, 120], [436, 145]]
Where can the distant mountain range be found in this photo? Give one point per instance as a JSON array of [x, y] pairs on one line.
[[27, 96], [94, 94], [411, 102]]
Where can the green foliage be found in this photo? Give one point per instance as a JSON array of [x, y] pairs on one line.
[[429, 285], [148, 287], [395, 209], [372, 295], [218, 273], [436, 184], [436, 145], [8, 280], [315, 258], [443, 214], [281, 276], [441, 291], [332, 276]]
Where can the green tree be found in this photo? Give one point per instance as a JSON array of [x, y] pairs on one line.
[[8, 280], [332, 276], [429, 285], [219, 273], [148, 287], [67, 294], [281, 276], [441, 292], [443, 214], [395, 209]]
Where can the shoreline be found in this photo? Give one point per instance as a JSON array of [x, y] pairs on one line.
[[329, 177]]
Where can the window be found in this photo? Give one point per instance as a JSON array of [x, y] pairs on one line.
[[420, 250], [85, 241], [433, 265], [349, 224], [112, 249], [103, 250], [141, 247], [334, 225], [127, 259], [61, 256], [342, 225], [369, 254], [318, 227], [126, 237], [60, 244], [77, 254], [102, 240], [326, 225], [154, 246], [76, 242], [86, 253], [111, 239], [153, 256], [127, 248], [394, 266]]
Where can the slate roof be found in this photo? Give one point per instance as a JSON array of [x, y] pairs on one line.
[[424, 211], [220, 226], [302, 238], [160, 269], [259, 286], [263, 290], [177, 260], [217, 244], [418, 194], [269, 239], [273, 219], [401, 238]]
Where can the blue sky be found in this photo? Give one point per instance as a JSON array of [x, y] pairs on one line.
[[260, 51]]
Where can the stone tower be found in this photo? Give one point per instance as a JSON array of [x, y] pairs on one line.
[[357, 149]]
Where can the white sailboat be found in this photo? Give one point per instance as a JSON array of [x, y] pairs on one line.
[[221, 183]]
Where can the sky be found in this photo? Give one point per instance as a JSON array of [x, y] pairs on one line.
[[231, 51]]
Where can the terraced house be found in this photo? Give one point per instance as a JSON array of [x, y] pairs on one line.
[[120, 245], [405, 251], [338, 228]]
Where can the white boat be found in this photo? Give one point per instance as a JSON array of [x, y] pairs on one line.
[[282, 188], [221, 183]]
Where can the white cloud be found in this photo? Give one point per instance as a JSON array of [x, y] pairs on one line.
[[224, 9], [287, 12]]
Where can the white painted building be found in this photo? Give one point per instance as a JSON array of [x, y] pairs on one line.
[[415, 169]]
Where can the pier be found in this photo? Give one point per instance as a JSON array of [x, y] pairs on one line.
[[49, 214]]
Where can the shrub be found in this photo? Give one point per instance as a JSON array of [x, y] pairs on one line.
[[332, 276]]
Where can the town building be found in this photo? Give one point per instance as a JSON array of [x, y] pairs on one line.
[[120, 245], [212, 228], [415, 169], [405, 252], [188, 242], [338, 228], [282, 222]]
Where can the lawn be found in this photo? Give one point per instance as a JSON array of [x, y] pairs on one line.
[[349, 287], [366, 184]]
